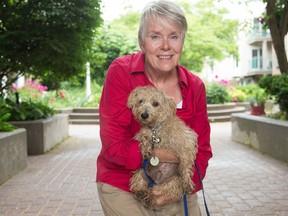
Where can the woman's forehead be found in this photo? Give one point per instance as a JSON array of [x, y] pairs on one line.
[[158, 24]]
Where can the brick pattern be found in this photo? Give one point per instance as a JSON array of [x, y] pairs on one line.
[[239, 181]]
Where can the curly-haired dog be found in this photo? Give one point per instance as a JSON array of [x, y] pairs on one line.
[[161, 128]]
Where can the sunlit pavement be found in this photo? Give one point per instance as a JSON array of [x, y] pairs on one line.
[[239, 181]]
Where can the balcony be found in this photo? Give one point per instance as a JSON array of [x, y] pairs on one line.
[[257, 37], [256, 66]]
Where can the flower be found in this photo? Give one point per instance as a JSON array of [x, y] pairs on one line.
[[62, 95]]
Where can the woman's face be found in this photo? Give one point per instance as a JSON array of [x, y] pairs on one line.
[[162, 46]]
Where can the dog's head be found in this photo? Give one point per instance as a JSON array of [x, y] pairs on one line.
[[150, 105]]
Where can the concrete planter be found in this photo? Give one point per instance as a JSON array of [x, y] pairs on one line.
[[13, 153], [267, 135], [44, 134]]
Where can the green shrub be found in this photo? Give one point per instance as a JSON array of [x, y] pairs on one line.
[[26, 110], [4, 116], [277, 87], [216, 93]]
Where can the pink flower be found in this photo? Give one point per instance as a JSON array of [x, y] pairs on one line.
[[29, 81], [14, 88], [41, 88], [235, 99]]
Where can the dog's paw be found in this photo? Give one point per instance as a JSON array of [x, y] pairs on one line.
[[144, 198]]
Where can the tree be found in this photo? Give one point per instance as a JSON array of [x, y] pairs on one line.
[[117, 39], [209, 34], [109, 44], [49, 37], [276, 18]]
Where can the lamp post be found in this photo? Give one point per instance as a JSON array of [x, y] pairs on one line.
[[88, 80]]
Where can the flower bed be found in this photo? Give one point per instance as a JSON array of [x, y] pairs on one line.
[[264, 134]]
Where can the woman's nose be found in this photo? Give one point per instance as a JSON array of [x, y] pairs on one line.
[[165, 44]]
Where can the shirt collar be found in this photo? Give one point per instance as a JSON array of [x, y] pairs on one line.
[[137, 63]]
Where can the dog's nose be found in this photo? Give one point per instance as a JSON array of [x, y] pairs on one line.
[[144, 116]]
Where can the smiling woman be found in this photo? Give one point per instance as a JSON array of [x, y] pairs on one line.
[[161, 37]]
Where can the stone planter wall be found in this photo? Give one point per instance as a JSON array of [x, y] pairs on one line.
[[44, 134], [267, 135], [13, 153]]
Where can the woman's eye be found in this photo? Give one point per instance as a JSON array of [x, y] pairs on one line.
[[155, 37], [174, 37], [155, 104]]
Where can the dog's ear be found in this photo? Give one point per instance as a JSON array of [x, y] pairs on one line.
[[172, 105], [132, 99]]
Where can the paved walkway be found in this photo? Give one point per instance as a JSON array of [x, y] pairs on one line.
[[239, 181]]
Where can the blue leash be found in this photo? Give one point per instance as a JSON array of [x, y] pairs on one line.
[[152, 183], [200, 178]]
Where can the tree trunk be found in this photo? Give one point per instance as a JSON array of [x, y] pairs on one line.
[[278, 31]]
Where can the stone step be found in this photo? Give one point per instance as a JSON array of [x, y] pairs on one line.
[[86, 110], [211, 107], [84, 121], [216, 113], [83, 115], [222, 118], [226, 112]]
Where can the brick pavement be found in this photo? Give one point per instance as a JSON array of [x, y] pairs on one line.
[[239, 181]]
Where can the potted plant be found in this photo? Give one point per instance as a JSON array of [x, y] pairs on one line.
[[44, 127], [257, 101]]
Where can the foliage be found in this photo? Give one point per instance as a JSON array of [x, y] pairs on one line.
[[45, 38], [258, 97], [76, 97], [110, 43], [26, 110], [277, 86], [209, 34], [236, 94], [4, 125], [216, 93]]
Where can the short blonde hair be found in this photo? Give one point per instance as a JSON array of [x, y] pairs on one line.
[[166, 12]]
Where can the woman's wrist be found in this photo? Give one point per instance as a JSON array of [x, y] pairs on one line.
[[165, 155]]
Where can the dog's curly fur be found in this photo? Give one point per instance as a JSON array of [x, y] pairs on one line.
[[152, 108]]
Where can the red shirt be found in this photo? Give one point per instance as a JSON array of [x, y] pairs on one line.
[[120, 153]]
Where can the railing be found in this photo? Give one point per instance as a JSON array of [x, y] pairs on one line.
[[256, 64]]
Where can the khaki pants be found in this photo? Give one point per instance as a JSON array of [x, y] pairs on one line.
[[116, 202]]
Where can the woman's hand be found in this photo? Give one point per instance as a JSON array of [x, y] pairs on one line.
[[165, 155], [161, 200]]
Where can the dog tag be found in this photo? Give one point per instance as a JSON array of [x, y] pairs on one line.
[[154, 161]]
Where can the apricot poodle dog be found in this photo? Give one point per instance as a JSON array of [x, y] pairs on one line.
[[161, 128]]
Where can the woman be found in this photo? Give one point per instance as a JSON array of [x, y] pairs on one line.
[[161, 38]]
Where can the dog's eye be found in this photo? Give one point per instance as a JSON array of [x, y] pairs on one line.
[[140, 101], [155, 104]]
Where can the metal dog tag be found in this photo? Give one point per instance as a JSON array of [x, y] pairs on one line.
[[154, 161]]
